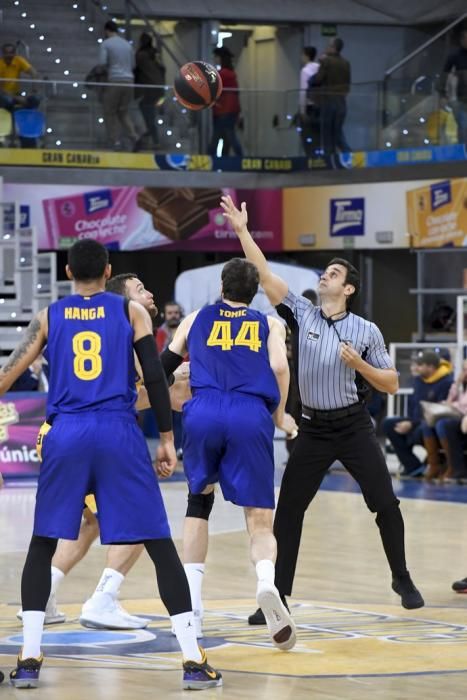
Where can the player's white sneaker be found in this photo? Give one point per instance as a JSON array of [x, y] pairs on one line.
[[52, 615], [102, 611], [280, 625]]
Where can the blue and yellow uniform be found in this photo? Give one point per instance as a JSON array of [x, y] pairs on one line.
[[228, 428], [94, 444]]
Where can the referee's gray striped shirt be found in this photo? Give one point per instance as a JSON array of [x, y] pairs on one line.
[[324, 380]]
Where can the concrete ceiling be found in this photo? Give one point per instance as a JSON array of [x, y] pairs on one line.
[[399, 12]]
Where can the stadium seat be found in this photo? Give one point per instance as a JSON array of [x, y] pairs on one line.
[[5, 124], [29, 123]]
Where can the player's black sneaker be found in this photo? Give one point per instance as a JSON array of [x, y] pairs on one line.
[[460, 586], [26, 673], [2, 676], [199, 675], [411, 597]]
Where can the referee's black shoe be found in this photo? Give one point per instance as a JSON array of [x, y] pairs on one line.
[[411, 597], [460, 586], [257, 618]]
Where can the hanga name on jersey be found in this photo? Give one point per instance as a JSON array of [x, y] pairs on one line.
[[75, 313]]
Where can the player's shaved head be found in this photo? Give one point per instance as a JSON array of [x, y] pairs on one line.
[[87, 260]]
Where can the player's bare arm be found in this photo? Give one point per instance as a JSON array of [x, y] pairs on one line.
[[179, 342], [26, 352], [156, 386], [275, 287], [278, 360]]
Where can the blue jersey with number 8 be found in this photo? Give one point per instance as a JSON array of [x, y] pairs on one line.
[[228, 351], [90, 355]]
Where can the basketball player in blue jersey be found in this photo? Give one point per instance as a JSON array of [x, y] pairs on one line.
[[93, 444], [228, 428], [102, 609]]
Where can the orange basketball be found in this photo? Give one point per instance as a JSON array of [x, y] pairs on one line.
[[198, 85]]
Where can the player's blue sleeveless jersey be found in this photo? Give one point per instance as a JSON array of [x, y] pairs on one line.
[[228, 351], [90, 355]]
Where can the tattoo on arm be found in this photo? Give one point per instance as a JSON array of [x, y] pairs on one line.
[[32, 332]]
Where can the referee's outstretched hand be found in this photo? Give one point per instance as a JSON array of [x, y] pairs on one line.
[[350, 356]]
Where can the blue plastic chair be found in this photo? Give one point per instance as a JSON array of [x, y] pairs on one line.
[[29, 123]]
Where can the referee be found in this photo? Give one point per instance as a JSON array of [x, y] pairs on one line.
[[336, 353]]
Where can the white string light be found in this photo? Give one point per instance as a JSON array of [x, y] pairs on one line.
[[83, 96], [90, 29], [42, 37], [58, 142], [178, 144], [57, 60], [24, 14], [49, 49]]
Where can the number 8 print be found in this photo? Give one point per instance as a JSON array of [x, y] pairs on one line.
[[89, 355]]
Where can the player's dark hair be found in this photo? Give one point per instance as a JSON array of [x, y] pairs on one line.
[[310, 52], [338, 44], [240, 280], [87, 260], [352, 277], [117, 284], [111, 26], [225, 56]]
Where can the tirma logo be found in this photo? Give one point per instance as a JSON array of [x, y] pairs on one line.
[[96, 201], [440, 194], [347, 217]]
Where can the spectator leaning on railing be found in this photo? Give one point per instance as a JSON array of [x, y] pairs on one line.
[[116, 54], [457, 62], [432, 384]]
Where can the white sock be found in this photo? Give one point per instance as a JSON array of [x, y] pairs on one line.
[[57, 577], [195, 575], [265, 570], [183, 625], [33, 624], [110, 582]]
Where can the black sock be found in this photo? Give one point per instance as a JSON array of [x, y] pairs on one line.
[[171, 578], [36, 580]]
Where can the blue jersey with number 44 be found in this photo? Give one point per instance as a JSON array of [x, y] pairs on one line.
[[90, 355], [228, 351]]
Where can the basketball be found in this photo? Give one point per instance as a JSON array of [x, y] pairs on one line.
[[198, 85]]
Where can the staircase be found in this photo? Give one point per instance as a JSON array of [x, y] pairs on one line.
[[63, 49]]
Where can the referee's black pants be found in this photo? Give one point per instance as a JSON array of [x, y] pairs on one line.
[[352, 441]]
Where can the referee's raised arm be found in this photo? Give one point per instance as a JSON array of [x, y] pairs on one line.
[[275, 287]]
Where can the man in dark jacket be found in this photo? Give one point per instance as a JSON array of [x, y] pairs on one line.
[[432, 384], [333, 79]]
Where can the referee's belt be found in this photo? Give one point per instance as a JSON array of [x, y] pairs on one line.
[[331, 414]]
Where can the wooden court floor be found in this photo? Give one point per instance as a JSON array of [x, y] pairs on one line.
[[354, 640]]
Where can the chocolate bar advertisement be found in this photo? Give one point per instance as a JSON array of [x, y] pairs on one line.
[[135, 218]]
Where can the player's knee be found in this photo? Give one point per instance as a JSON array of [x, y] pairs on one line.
[[43, 546], [200, 505]]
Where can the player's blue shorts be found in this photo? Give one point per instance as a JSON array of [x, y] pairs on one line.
[[103, 453], [228, 437]]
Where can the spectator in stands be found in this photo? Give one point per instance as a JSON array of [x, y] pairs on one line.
[[35, 378], [226, 111], [12, 67], [173, 315], [333, 78], [404, 432], [116, 54], [452, 432], [457, 62], [309, 110], [149, 71]]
